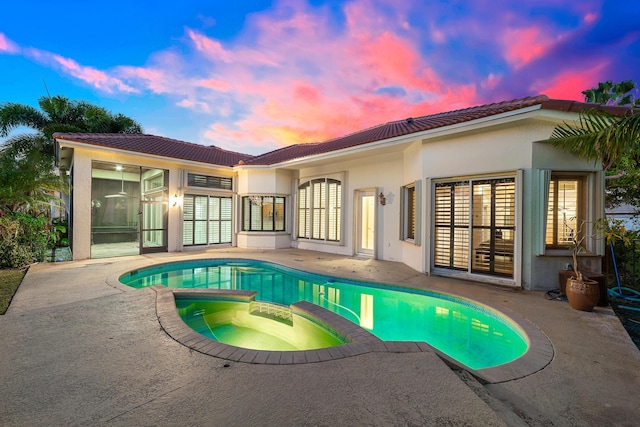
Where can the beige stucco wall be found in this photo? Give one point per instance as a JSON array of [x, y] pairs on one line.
[[490, 152], [382, 172], [82, 159], [501, 146]]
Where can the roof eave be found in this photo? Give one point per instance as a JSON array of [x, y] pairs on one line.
[[85, 144], [406, 139]]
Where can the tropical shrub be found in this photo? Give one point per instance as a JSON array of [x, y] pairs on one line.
[[24, 239]]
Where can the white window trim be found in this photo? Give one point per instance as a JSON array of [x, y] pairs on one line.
[[417, 214], [286, 217], [593, 207], [341, 176], [516, 279]]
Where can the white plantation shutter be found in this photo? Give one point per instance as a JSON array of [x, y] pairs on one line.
[[320, 209], [226, 215], [206, 220], [334, 203], [304, 211]]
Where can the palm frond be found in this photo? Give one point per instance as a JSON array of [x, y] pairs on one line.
[[598, 135], [14, 115], [26, 145]]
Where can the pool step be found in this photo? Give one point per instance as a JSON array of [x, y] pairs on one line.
[[272, 311]]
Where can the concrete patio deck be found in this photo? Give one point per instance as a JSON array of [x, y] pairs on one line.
[[78, 349]]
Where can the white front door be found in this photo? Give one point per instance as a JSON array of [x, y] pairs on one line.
[[365, 222]]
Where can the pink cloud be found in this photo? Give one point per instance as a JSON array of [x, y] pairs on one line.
[[201, 107], [210, 47], [215, 51], [94, 77], [590, 18], [154, 79], [7, 46], [214, 84], [523, 45], [492, 81], [570, 84], [356, 76]]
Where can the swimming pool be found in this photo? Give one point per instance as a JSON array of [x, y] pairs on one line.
[[473, 334]]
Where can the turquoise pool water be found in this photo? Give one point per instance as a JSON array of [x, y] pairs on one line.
[[473, 334]]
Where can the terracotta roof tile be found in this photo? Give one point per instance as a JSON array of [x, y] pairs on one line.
[[166, 147], [419, 124], [158, 145]]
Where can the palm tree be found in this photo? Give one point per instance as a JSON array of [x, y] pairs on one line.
[[59, 114], [612, 139], [599, 135], [609, 93], [28, 172]]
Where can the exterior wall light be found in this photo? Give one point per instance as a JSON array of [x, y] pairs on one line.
[[383, 200]]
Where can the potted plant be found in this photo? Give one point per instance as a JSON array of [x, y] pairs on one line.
[[582, 292]]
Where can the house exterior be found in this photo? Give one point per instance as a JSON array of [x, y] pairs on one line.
[[471, 193]]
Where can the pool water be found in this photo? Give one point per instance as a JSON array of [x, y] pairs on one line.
[[233, 322], [473, 334]]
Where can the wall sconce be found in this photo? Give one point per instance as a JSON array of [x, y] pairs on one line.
[[175, 199], [383, 200]]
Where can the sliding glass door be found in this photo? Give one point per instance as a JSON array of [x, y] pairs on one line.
[[475, 225]]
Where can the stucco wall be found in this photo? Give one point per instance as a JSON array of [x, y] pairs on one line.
[[82, 160], [384, 173], [504, 146]]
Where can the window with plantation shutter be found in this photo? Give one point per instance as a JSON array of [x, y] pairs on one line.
[[226, 213], [565, 210], [493, 226], [474, 224], [452, 225], [410, 204], [320, 209], [206, 181], [334, 196], [206, 220], [304, 211]]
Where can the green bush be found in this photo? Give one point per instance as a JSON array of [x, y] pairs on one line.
[[24, 239]]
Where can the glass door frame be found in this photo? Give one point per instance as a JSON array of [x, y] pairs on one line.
[[161, 223], [365, 217]]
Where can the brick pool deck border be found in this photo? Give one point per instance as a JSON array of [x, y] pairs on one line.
[[360, 341]]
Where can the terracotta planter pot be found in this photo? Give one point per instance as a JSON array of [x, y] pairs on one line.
[[583, 295]]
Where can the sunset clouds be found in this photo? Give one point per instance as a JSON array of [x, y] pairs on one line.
[[295, 73]]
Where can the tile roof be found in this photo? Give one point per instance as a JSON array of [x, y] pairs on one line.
[[166, 147], [419, 124], [158, 145]]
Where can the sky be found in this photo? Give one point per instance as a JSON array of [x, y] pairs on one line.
[[256, 76]]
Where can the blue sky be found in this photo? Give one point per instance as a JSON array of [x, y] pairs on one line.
[[255, 76]]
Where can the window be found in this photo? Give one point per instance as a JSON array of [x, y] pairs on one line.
[[263, 213], [410, 205], [320, 209], [206, 220], [451, 249], [475, 225], [205, 181], [565, 211]]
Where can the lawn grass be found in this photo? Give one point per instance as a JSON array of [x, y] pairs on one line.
[[9, 282]]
